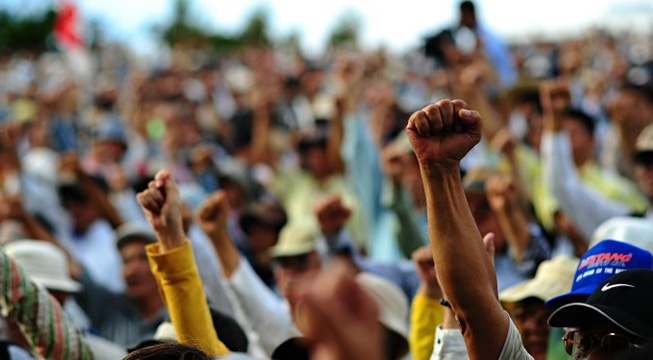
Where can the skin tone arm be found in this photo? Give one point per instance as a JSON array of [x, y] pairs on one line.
[[502, 196], [441, 135], [471, 85], [11, 207], [212, 218]]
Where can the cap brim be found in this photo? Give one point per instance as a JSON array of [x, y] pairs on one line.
[[542, 290], [578, 295], [134, 237], [67, 286], [298, 251], [578, 314]]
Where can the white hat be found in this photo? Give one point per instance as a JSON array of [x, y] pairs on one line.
[[391, 301], [633, 230], [44, 263], [553, 278]]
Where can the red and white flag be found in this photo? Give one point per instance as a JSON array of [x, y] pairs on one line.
[[68, 34]]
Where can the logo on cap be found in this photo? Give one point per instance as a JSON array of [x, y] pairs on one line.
[[607, 286]]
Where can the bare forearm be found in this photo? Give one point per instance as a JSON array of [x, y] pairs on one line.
[[515, 228], [462, 264], [454, 235]]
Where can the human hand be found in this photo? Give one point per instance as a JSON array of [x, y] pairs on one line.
[[11, 207], [331, 213], [334, 312], [423, 259], [505, 142], [162, 206], [555, 97], [501, 192], [443, 133], [213, 214], [69, 166]]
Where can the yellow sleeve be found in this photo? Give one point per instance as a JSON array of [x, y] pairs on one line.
[[181, 287], [425, 315]]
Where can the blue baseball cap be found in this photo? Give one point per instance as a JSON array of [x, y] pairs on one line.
[[605, 259]]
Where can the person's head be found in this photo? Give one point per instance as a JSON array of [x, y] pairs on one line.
[[616, 319], [601, 261], [637, 97], [168, 351], [474, 183], [643, 160], [109, 141], [525, 302], [262, 222], [131, 239], [45, 264], [468, 14], [313, 153], [312, 78], [636, 231], [75, 200], [580, 127], [296, 259]]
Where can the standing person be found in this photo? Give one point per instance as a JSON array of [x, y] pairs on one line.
[[495, 48]]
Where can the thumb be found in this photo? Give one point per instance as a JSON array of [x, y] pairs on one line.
[[488, 241], [165, 182], [469, 117]]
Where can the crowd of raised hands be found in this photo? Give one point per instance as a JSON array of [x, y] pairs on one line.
[[263, 205]]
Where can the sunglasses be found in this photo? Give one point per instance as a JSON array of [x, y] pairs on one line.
[[580, 344]]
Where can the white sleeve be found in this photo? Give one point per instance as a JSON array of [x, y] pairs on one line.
[[586, 207], [449, 344], [265, 311], [208, 265], [513, 349]]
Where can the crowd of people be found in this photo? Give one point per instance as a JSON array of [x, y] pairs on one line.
[[464, 200]]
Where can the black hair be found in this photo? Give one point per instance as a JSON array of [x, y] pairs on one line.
[[269, 214], [167, 351], [434, 45], [586, 120], [467, 6]]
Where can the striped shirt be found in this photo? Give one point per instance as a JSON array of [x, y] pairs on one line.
[[49, 332]]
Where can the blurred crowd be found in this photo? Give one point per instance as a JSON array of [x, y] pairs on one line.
[[279, 165]]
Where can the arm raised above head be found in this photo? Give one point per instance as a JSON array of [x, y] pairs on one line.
[[441, 135]]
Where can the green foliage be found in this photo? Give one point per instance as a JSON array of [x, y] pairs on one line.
[[346, 33], [31, 33], [183, 30]]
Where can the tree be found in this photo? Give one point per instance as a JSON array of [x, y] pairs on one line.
[[346, 33], [31, 33]]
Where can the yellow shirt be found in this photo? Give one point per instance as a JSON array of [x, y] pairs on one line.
[[182, 291], [298, 192], [425, 315]]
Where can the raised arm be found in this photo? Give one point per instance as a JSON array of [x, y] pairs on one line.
[[441, 135], [265, 312], [173, 265]]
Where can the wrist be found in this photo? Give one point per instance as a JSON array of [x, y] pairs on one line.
[[440, 170], [169, 241]]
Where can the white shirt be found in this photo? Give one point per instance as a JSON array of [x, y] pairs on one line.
[[266, 312], [449, 344], [96, 250]]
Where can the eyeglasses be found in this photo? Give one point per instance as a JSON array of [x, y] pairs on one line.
[[579, 344]]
